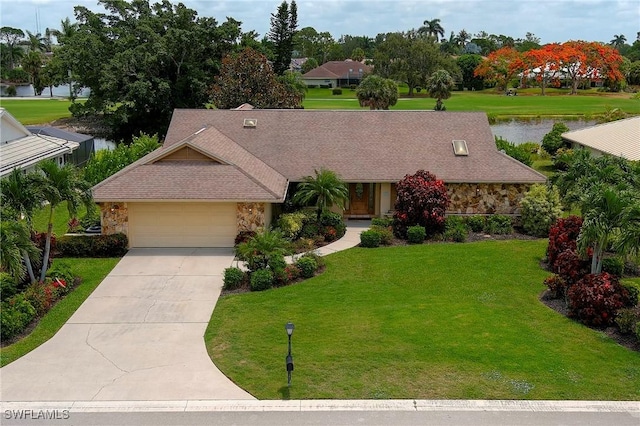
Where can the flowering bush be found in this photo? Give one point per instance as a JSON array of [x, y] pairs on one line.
[[557, 286], [421, 201], [562, 236], [541, 208], [596, 298]]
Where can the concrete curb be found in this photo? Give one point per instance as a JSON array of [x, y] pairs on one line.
[[632, 407]]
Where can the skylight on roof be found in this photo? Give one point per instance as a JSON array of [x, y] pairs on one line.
[[460, 147], [250, 122]]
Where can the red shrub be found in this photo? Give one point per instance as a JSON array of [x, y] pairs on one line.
[[421, 200], [562, 236], [596, 298], [556, 285], [570, 266]]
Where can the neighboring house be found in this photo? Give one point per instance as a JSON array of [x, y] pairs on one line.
[[220, 172], [86, 147], [620, 138], [337, 74], [21, 149]]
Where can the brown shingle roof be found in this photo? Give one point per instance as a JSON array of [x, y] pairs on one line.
[[338, 69], [235, 174], [363, 146]]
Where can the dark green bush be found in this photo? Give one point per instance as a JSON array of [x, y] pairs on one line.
[[386, 234], [613, 265], [12, 91], [114, 245], [627, 320], [262, 279], [455, 229], [416, 234], [370, 238], [8, 286], [15, 315], [476, 223], [310, 230], [307, 266], [233, 278], [337, 91], [563, 158], [515, 151], [333, 225], [634, 293], [552, 141], [498, 224], [382, 222]]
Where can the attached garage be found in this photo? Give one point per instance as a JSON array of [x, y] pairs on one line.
[[182, 224]]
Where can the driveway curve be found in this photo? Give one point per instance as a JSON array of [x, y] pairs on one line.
[[138, 336]]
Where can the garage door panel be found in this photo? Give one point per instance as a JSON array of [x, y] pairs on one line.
[[182, 224]]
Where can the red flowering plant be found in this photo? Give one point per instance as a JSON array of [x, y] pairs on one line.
[[422, 200], [563, 236], [596, 298]]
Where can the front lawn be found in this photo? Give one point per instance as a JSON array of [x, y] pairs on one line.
[[92, 272], [36, 111], [434, 321]]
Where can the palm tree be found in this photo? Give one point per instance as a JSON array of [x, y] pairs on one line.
[[20, 195], [618, 41], [15, 241], [66, 31], [61, 184], [323, 190], [377, 92], [439, 86], [32, 64], [35, 42], [462, 38], [432, 28], [608, 214]]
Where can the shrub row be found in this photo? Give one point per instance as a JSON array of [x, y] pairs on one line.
[[304, 224], [114, 245]]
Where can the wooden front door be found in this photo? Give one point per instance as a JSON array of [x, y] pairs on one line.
[[361, 199]]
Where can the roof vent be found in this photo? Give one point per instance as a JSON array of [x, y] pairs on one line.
[[250, 122], [460, 147]]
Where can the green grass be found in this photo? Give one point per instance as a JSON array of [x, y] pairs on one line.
[[92, 272], [60, 218], [496, 105], [37, 111], [459, 321]]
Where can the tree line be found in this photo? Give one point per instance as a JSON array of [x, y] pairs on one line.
[[141, 60]]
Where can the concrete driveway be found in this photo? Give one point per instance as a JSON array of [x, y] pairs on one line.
[[139, 336]]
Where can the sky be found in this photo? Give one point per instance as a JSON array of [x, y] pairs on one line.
[[551, 21]]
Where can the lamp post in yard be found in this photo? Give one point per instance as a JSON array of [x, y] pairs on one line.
[[289, 360]]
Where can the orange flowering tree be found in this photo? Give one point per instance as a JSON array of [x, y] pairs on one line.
[[583, 60], [501, 66]]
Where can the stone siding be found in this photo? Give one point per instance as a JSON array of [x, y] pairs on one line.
[[250, 216], [485, 198], [114, 218]]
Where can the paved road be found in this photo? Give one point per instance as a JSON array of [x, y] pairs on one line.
[[332, 412], [139, 336]]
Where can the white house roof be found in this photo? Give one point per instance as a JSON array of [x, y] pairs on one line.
[[620, 138], [19, 148]]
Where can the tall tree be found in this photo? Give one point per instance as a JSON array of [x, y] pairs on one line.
[[590, 61], [439, 86], [11, 38], [35, 42], [324, 190], [468, 63], [432, 28], [61, 184], [618, 41], [283, 29], [377, 92], [544, 65], [500, 66], [142, 60], [66, 31], [32, 64], [247, 77]]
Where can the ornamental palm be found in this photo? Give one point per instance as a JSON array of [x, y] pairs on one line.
[[377, 92], [323, 190], [61, 184], [21, 196], [439, 86], [15, 241], [432, 28]]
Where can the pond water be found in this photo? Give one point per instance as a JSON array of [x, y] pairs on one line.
[[61, 91], [520, 131]]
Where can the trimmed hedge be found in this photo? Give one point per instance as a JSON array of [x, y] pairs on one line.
[[114, 245], [370, 238], [416, 234]]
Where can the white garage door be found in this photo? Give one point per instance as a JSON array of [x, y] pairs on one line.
[[182, 224]]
